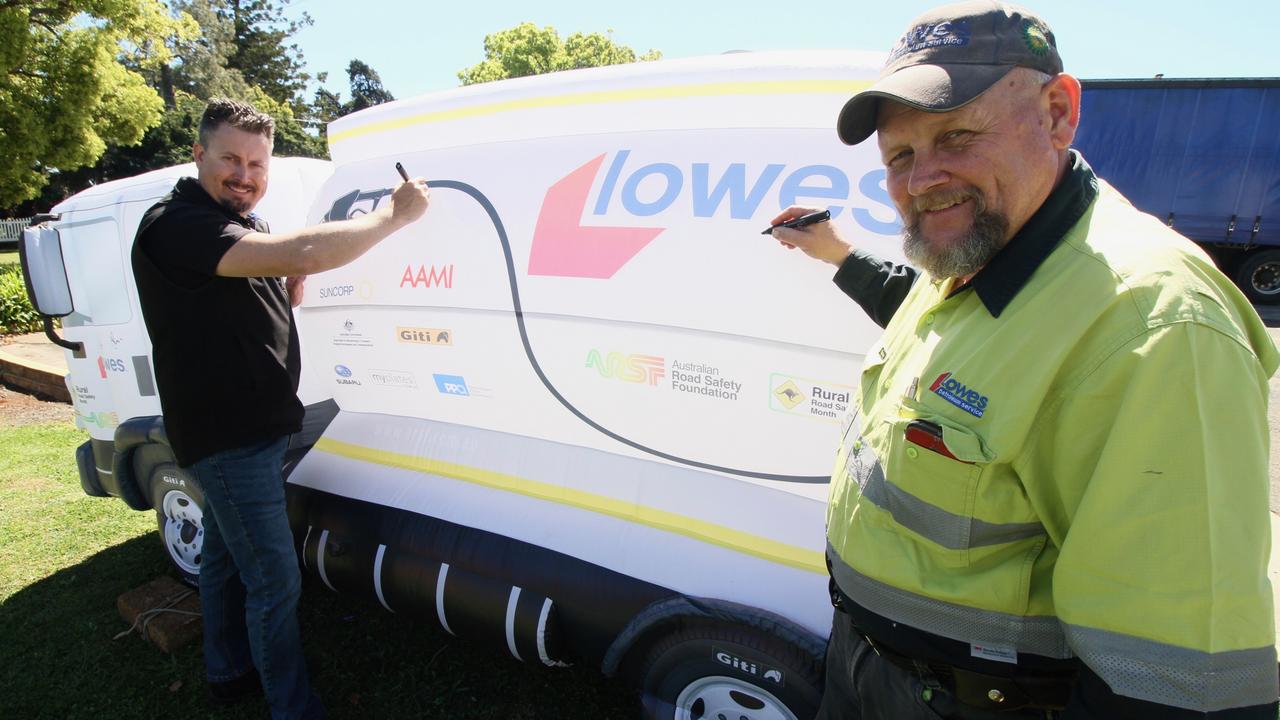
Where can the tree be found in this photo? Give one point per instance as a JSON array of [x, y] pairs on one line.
[[202, 66], [527, 49], [261, 54], [366, 88], [366, 91], [70, 86]]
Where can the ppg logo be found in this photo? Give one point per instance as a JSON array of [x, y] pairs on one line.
[[342, 370], [452, 385]]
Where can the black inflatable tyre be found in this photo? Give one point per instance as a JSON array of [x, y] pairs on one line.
[[716, 671], [1259, 276], [179, 505]]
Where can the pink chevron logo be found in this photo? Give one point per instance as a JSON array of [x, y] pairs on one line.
[[563, 247]]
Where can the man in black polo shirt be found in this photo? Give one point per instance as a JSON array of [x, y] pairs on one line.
[[226, 360]]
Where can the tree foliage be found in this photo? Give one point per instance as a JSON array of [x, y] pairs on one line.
[[262, 52], [70, 83], [527, 49]]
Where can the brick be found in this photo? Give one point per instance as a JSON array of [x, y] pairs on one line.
[[166, 630]]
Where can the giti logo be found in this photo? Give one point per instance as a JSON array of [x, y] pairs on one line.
[[424, 336], [428, 276], [750, 668], [789, 395], [647, 369]]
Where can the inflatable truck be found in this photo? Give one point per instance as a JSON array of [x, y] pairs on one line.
[[582, 411]]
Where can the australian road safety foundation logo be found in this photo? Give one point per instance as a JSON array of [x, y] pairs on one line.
[[634, 368], [957, 393], [813, 399], [1034, 37]]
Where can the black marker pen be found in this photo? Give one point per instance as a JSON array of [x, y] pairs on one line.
[[803, 220], [403, 174]]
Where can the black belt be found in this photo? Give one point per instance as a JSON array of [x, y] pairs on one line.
[[993, 693]]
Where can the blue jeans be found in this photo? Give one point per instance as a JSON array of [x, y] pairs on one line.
[[249, 578]]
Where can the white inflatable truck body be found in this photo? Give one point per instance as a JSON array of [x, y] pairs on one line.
[[582, 410]]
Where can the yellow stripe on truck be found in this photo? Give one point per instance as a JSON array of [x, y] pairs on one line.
[[771, 87], [736, 540]]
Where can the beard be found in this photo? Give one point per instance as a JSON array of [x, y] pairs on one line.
[[964, 255], [238, 205]]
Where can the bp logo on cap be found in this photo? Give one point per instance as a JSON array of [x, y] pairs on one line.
[[1035, 39]]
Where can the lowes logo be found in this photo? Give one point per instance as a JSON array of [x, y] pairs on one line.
[[959, 394]]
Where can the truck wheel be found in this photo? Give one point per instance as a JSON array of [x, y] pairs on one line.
[[179, 505], [716, 672], [1259, 277]]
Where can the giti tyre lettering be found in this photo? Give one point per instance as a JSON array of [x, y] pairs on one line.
[[748, 667]]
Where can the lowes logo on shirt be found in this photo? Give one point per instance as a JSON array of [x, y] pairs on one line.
[[959, 394]]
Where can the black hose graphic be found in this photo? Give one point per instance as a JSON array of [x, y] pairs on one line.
[[533, 361]]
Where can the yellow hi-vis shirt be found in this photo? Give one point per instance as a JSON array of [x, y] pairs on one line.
[[1105, 494]]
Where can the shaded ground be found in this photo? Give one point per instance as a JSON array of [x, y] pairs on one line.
[[17, 408]]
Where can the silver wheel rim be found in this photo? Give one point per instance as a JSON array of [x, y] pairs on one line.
[[1266, 278], [183, 530], [726, 698]]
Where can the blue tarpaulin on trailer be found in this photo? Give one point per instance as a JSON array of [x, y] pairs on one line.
[[1196, 151]]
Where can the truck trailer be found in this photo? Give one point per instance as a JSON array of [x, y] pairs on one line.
[[1203, 155]]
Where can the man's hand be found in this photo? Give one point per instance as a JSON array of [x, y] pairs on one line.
[[409, 201], [295, 286], [821, 241]]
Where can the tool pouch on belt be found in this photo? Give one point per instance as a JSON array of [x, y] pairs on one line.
[[999, 694]]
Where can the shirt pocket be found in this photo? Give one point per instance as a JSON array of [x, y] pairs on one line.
[[927, 492]]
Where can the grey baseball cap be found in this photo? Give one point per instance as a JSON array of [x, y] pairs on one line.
[[948, 57]]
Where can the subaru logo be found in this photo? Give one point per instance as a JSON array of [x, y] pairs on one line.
[[342, 370]]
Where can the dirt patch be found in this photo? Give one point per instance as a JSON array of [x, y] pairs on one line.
[[17, 408]]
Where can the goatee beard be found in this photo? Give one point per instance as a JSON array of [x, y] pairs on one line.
[[964, 255], [238, 207]]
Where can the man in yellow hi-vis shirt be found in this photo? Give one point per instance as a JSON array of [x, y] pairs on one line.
[[1050, 498]]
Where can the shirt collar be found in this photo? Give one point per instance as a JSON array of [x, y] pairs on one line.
[[190, 189], [1004, 276]]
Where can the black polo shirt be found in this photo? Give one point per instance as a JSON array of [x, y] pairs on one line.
[[225, 349]]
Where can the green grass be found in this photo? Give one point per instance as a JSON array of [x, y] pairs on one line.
[[65, 558], [9, 258]]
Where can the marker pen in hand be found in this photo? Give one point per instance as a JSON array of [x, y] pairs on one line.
[[403, 174], [802, 221]]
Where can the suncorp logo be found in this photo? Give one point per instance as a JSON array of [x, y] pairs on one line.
[[562, 246], [647, 369], [337, 291]]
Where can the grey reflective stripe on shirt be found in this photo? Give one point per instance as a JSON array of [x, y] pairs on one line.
[[1177, 676], [946, 528], [1030, 634]]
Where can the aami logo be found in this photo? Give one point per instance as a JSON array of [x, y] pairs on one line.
[[959, 394], [563, 246], [451, 385], [631, 368], [424, 336], [427, 276], [112, 364]]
